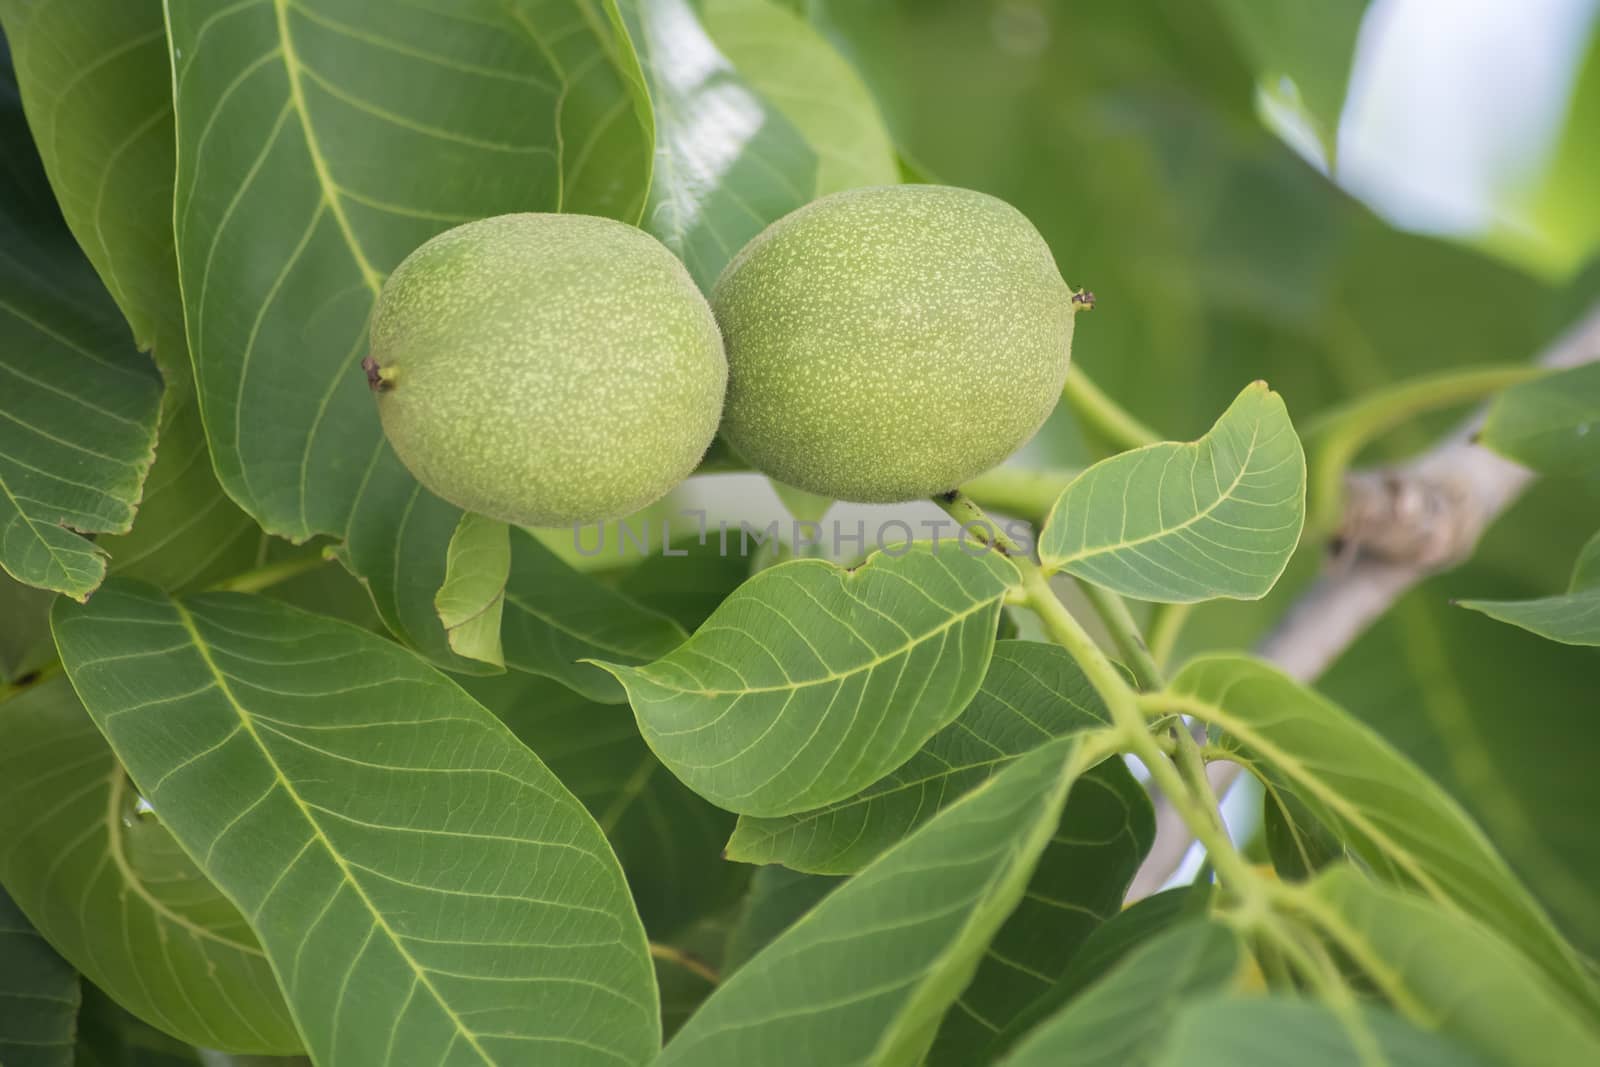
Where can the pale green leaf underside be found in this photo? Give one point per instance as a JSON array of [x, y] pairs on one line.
[[1122, 1020], [864, 978], [39, 996], [1387, 810], [1178, 523], [1551, 424], [795, 68], [1031, 693], [810, 682], [319, 142], [1572, 618], [113, 891], [1230, 1031], [474, 590], [726, 163], [1450, 974], [555, 617], [334, 787]]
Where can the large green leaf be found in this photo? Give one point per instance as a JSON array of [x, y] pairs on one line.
[[556, 617], [1387, 810], [1451, 974], [1184, 522], [1572, 618], [39, 995], [1302, 55], [1230, 1031], [726, 162], [866, 976], [1030, 693], [1123, 1019], [78, 404], [668, 839], [111, 889], [812, 681], [97, 85], [426, 890], [1551, 424], [798, 71], [318, 144]]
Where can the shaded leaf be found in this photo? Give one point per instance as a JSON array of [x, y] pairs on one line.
[[107, 884], [321, 142], [1030, 693], [331, 784], [668, 840], [474, 591], [1385, 809], [25, 643], [556, 617], [1448, 973], [1177, 523], [777, 898], [1297, 841], [726, 163], [1124, 1018], [39, 995], [686, 588], [812, 681], [1572, 619], [866, 976], [1551, 423], [1229, 1031], [78, 403], [794, 68]]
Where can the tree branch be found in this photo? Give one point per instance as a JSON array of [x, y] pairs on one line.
[[1401, 525]]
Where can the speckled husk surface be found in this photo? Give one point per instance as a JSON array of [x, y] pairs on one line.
[[546, 369], [886, 344]]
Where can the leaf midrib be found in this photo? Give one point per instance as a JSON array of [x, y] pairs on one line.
[[382, 923]]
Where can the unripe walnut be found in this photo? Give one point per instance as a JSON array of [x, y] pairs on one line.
[[890, 343], [546, 369]]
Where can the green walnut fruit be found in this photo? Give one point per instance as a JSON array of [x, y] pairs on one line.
[[890, 343], [546, 369]]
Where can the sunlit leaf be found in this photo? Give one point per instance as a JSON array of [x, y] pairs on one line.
[[726, 162], [39, 995], [1387, 810], [107, 884], [1123, 1019], [333, 787], [1448, 973], [867, 975], [1184, 522], [812, 681]]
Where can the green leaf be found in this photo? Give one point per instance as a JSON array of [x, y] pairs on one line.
[[1178, 523], [1385, 809], [1229, 1031], [795, 68], [686, 588], [668, 840], [777, 899], [1303, 54], [25, 643], [98, 86], [321, 142], [556, 617], [382, 832], [1572, 619], [1123, 1019], [1297, 841], [474, 590], [1451, 974], [78, 403], [726, 163], [1031, 693], [1551, 423], [866, 976], [811, 681], [104, 880], [39, 995]]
